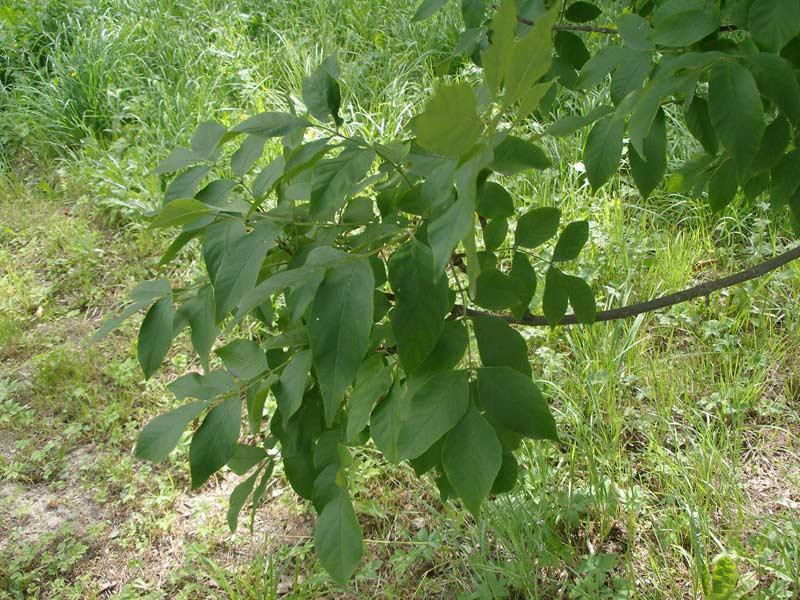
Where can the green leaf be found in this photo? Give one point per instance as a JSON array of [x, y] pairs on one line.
[[537, 226], [203, 387], [160, 436], [239, 268], [155, 336], [386, 421], [268, 177], [180, 212], [245, 457], [216, 192], [494, 234], [507, 476], [603, 150], [433, 410], [447, 353], [206, 138], [449, 125], [531, 57], [217, 242], [179, 158], [512, 400], [724, 578], [555, 298], [497, 291], [256, 400], [582, 12], [498, 55], [772, 23], [199, 312], [339, 328], [581, 298], [142, 295], [777, 137], [247, 155], [783, 179], [292, 384], [571, 48], [421, 303], [214, 443], [244, 358], [684, 22], [372, 382], [699, 123], [571, 241], [736, 111], [599, 66], [514, 155], [636, 31], [500, 345], [185, 185], [648, 170], [494, 201], [239, 496], [723, 185], [321, 93], [471, 458], [336, 178], [338, 541], [428, 8], [522, 271], [572, 123], [777, 81], [630, 75], [271, 124], [325, 486]]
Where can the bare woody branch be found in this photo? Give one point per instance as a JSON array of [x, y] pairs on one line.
[[625, 312]]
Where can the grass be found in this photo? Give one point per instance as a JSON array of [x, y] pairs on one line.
[[679, 429]]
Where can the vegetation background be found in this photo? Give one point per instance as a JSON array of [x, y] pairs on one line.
[[680, 429]]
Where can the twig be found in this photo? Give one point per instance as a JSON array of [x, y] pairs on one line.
[[605, 30], [625, 312]]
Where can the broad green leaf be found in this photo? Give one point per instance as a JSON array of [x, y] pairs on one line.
[[603, 150], [421, 303], [581, 298], [471, 458], [630, 75], [245, 457], [494, 234], [199, 313], [427, 8], [247, 155], [636, 31], [155, 336], [736, 110], [497, 291], [217, 242], [772, 23], [447, 353], [142, 295], [386, 421], [160, 436], [777, 81], [214, 443], [326, 487], [449, 125], [777, 137], [244, 358], [725, 575], [339, 328], [336, 178], [271, 124], [514, 401], [292, 384], [571, 241], [239, 268], [555, 298], [582, 12], [723, 185], [514, 155], [178, 244], [599, 66], [216, 192], [448, 228], [239, 496], [179, 158], [338, 541], [784, 181], [494, 201], [185, 185], [429, 459], [537, 226], [699, 123], [180, 212], [500, 345], [268, 177], [531, 58], [321, 93], [683, 22], [507, 475], [498, 55], [433, 410], [571, 48], [203, 387], [522, 271], [206, 138], [648, 170], [572, 123], [256, 400], [372, 382]]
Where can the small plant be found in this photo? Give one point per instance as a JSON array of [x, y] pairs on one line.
[[373, 286]]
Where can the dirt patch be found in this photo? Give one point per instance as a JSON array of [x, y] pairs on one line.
[[771, 472]]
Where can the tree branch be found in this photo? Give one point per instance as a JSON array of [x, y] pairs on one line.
[[624, 312], [605, 30]]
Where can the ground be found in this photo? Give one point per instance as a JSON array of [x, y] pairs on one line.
[[679, 429]]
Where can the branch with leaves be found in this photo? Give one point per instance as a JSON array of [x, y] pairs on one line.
[[305, 231]]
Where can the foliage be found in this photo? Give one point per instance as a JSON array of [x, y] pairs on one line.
[[327, 294]]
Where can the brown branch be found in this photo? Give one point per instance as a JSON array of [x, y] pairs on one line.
[[624, 312], [605, 30]]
